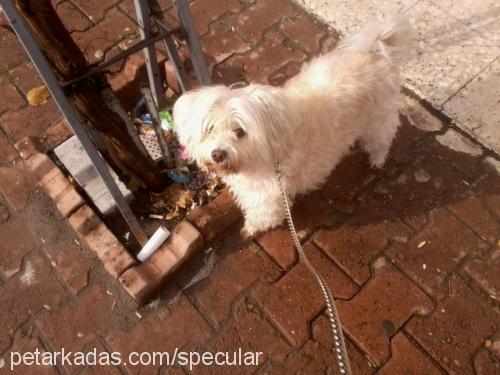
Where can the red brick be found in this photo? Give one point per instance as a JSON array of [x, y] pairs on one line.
[[55, 135], [84, 221], [222, 43], [321, 333], [17, 241], [27, 147], [96, 9], [80, 323], [182, 326], [25, 295], [329, 43], [10, 99], [267, 57], [213, 219], [70, 262], [295, 299], [28, 344], [72, 18], [40, 165], [380, 309], [304, 32], [253, 20], [4, 214], [25, 77], [485, 272], [108, 249], [359, 241], [241, 268], [472, 211], [16, 55], [206, 11], [101, 369], [115, 28], [434, 253], [407, 359], [184, 240], [488, 189], [16, 185], [486, 364], [7, 152], [34, 120], [309, 212], [249, 331], [55, 184], [456, 328], [69, 201]]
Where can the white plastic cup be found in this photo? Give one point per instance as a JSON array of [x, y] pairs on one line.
[[153, 243]]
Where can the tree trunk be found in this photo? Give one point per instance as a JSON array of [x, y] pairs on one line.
[[69, 62]]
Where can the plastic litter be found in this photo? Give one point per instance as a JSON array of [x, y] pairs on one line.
[[179, 177], [153, 243], [167, 122]]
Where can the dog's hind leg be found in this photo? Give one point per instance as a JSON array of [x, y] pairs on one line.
[[378, 139]]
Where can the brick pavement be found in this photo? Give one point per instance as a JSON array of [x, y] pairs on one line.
[[413, 260]]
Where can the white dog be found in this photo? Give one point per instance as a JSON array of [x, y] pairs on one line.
[[347, 95]]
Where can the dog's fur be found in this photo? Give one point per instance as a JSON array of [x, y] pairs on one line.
[[347, 95]]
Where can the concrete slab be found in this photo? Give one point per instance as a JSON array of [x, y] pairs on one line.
[[476, 108], [76, 161]]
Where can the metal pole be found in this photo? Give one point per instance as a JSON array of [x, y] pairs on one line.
[[199, 63], [155, 82], [31, 46]]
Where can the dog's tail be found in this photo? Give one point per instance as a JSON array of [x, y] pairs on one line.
[[392, 37]]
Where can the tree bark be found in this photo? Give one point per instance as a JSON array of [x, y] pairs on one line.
[[69, 62]]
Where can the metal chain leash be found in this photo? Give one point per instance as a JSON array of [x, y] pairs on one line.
[[331, 310]]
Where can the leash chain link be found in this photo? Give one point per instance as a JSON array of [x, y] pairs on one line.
[[331, 309]]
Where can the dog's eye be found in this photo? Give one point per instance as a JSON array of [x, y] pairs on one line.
[[240, 132]]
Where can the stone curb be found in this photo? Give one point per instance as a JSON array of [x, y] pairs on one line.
[[141, 280]]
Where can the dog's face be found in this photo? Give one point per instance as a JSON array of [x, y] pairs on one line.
[[231, 130]]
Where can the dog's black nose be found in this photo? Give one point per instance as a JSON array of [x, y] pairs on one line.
[[219, 155]]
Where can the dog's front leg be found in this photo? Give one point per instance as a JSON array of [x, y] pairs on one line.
[[262, 211]]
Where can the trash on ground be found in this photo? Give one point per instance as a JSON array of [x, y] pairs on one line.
[[153, 243], [422, 244]]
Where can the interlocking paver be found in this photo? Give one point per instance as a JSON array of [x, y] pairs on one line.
[[456, 327]]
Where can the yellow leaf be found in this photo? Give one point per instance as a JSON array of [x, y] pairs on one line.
[[38, 96]]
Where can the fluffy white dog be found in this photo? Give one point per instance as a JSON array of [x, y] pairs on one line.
[[347, 95]]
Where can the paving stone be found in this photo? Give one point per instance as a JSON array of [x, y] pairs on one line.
[[96, 9], [485, 363], [84, 221], [16, 185], [321, 333], [72, 18], [35, 120], [249, 331], [239, 270], [10, 99], [70, 262], [25, 77], [221, 42], [17, 241], [34, 289], [487, 187], [485, 272], [206, 11], [407, 359], [39, 165], [115, 28], [55, 135], [431, 256], [255, 19], [4, 214], [457, 142], [78, 324], [267, 57], [68, 202], [380, 309], [370, 230], [182, 326], [7, 152], [27, 147], [473, 212], [27, 344], [101, 369], [453, 332], [419, 117], [295, 299], [16, 55], [304, 32]]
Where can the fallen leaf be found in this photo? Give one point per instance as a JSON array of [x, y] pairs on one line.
[[38, 96]]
